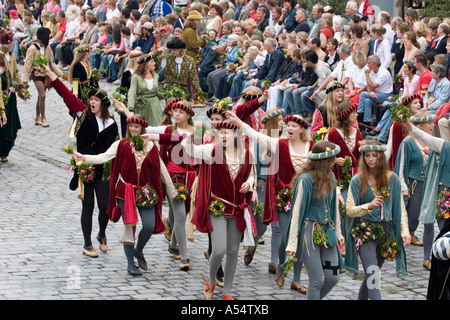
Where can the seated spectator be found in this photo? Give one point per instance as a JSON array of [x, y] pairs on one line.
[[421, 64], [439, 90], [379, 88], [209, 60], [314, 45]]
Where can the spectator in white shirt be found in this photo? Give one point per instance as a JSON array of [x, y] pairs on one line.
[[382, 48], [384, 20]]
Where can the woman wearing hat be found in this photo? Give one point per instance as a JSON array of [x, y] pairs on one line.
[[375, 201], [222, 203], [348, 138], [34, 72], [248, 107], [411, 167], [286, 158], [142, 96], [314, 227], [95, 131], [397, 131], [80, 73], [126, 185], [190, 37], [325, 114], [179, 68]]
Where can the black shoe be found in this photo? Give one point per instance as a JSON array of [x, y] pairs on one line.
[[134, 271], [110, 80], [373, 133], [141, 261]]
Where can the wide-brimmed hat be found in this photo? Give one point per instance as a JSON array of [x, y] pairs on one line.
[[194, 15], [176, 44]]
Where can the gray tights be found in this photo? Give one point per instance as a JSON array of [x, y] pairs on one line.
[[179, 228], [225, 239], [321, 264]]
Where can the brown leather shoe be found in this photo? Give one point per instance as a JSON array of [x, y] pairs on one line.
[[416, 242], [175, 252], [44, 122], [168, 230], [298, 287], [272, 268], [427, 264], [248, 257], [279, 279], [37, 121], [90, 252]]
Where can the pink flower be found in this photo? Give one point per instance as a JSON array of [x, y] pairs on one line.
[[90, 177], [82, 171]]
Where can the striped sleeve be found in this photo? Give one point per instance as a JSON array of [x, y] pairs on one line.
[[441, 247]]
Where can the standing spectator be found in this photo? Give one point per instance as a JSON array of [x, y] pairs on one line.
[[190, 37]]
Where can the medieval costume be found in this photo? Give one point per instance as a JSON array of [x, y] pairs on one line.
[[310, 214], [221, 209], [387, 225], [93, 136]]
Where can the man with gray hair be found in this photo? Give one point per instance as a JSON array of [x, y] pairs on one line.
[[379, 88], [300, 17], [99, 10], [384, 20], [439, 42], [269, 69], [342, 72]]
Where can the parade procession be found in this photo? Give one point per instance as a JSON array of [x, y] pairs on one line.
[[269, 150]]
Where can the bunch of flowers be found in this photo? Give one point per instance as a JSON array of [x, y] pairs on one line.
[[117, 95], [364, 231], [182, 192], [225, 103], [67, 149], [320, 134], [231, 67], [217, 207], [290, 262], [96, 75], [390, 249], [200, 96], [386, 193], [240, 54], [400, 113], [283, 199], [146, 197], [258, 208], [23, 94], [198, 59], [86, 172], [443, 205]]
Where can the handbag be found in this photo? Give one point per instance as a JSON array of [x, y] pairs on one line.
[[331, 235]]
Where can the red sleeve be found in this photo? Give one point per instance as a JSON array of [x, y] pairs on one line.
[[169, 138], [72, 102], [246, 110]]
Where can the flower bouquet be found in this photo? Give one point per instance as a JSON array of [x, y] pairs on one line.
[[225, 103], [267, 84], [443, 205], [258, 208], [183, 192], [200, 96], [96, 75], [146, 197], [24, 94], [231, 67], [67, 149], [390, 249], [320, 134], [118, 96], [283, 199], [217, 207], [198, 59], [386, 193], [170, 91], [86, 172]]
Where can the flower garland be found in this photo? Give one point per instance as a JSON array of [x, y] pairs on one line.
[[183, 192], [400, 113], [443, 205], [345, 182], [320, 134], [146, 197], [86, 172], [283, 199], [217, 207], [363, 232], [390, 249], [137, 143], [169, 91], [41, 61]]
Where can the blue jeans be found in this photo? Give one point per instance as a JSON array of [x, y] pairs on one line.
[[236, 86], [366, 102], [384, 125], [306, 105], [108, 60]]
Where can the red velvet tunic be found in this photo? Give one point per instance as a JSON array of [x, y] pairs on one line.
[[150, 174], [335, 137], [215, 179], [278, 180]]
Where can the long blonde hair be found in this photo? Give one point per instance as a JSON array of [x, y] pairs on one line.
[[330, 105], [80, 54]]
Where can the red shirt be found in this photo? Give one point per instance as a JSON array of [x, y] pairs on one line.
[[424, 82]]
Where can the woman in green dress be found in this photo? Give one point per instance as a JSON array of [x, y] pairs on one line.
[[142, 96]]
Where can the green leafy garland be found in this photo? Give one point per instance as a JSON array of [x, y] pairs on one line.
[[345, 182], [217, 207], [400, 113], [137, 141]]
